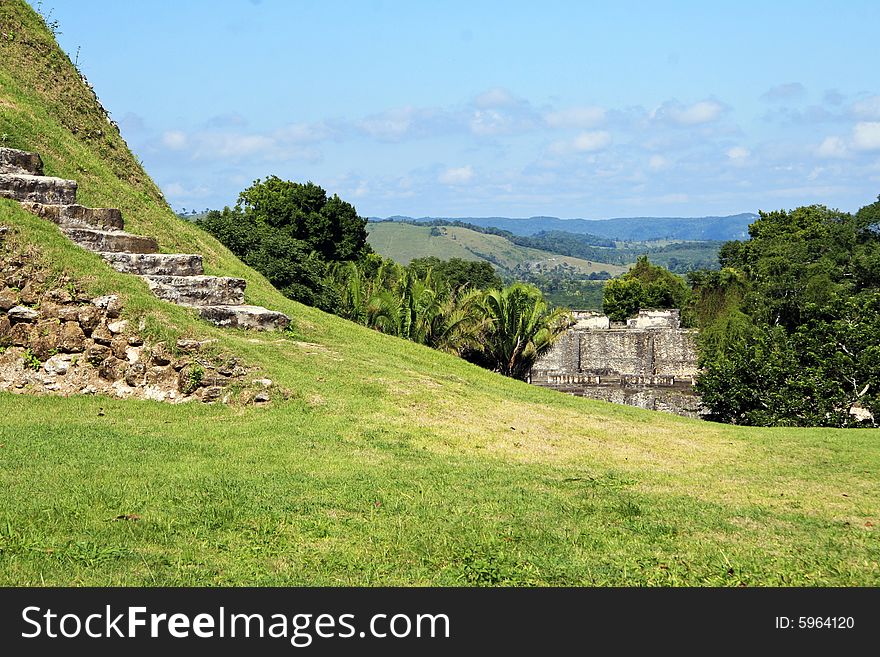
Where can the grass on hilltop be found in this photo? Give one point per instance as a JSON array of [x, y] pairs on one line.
[[390, 463], [405, 242]]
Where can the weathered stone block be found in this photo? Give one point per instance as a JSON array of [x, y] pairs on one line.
[[198, 290], [42, 189], [155, 264], [101, 334], [20, 335], [8, 299], [111, 369], [135, 374], [5, 331], [159, 375], [59, 295], [245, 317], [13, 160], [44, 343], [211, 394], [160, 355], [88, 317], [57, 365], [112, 240], [77, 215], [119, 345], [72, 338], [68, 313], [97, 353], [110, 304], [117, 327], [29, 294], [133, 354], [22, 314]]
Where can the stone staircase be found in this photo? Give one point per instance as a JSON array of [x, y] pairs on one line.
[[175, 277]]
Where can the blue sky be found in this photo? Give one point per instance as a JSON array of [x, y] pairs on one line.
[[571, 109]]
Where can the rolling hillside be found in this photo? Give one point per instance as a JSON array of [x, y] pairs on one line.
[[631, 229], [405, 242], [388, 463]]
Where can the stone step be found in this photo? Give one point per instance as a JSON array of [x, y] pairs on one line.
[[16, 161], [77, 215], [110, 240], [42, 189], [198, 290], [254, 318], [155, 264]]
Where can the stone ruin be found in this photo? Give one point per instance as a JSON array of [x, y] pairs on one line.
[[174, 277], [648, 361], [56, 340]]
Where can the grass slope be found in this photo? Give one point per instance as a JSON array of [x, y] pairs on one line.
[[390, 463], [405, 242]]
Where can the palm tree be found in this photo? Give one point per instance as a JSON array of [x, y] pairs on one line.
[[520, 327]]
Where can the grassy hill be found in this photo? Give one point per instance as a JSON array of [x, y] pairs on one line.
[[390, 463], [405, 242], [638, 229]]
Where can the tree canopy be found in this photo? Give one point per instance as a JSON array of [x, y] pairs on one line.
[[458, 273], [290, 232], [791, 323], [643, 286]]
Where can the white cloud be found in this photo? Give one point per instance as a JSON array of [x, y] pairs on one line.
[[575, 117], [174, 140], [832, 147], [869, 108], [493, 122], [234, 145], [496, 97], [587, 142], [738, 154], [457, 176], [787, 91], [704, 111], [177, 191], [658, 162], [305, 133], [866, 136], [393, 124]]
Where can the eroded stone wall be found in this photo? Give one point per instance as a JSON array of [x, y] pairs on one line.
[[648, 362], [54, 339]]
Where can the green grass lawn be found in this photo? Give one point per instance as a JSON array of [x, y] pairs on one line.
[[357, 488], [389, 463]]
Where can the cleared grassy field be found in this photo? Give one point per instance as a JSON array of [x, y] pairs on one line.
[[405, 242], [389, 463]]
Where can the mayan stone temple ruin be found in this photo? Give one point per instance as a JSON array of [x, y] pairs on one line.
[[649, 361]]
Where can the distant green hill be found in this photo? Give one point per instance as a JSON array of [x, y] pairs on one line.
[[404, 242], [731, 227]]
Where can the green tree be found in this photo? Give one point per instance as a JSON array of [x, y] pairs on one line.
[[622, 298], [520, 327], [457, 273], [790, 324], [291, 232], [644, 286]]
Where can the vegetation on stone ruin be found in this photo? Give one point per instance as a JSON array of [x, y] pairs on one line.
[[643, 286]]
